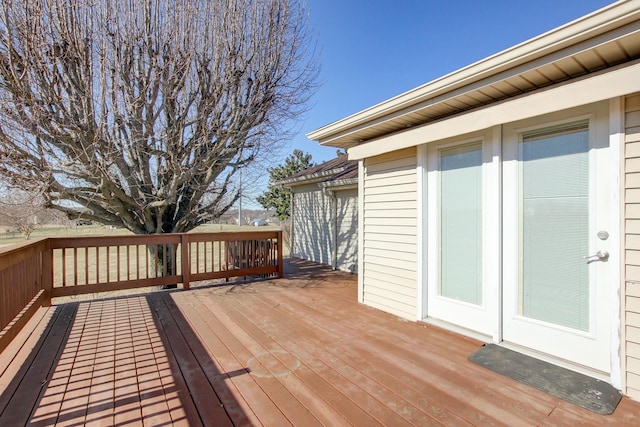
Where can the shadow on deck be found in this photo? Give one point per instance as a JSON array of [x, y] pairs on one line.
[[291, 351]]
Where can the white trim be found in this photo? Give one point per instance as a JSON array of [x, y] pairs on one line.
[[493, 224], [292, 219], [421, 177], [601, 87], [616, 145], [361, 231]]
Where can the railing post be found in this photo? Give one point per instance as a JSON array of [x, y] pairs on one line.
[[280, 257], [186, 261], [47, 273]]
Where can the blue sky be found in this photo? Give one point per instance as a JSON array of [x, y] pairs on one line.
[[373, 50]]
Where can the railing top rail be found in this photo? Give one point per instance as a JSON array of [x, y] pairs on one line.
[[119, 240], [168, 238], [234, 235]]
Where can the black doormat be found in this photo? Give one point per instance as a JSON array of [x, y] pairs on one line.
[[590, 393]]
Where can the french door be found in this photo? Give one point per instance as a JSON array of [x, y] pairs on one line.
[[518, 224], [463, 225], [556, 295]]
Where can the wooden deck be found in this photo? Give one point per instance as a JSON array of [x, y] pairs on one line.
[[294, 351]]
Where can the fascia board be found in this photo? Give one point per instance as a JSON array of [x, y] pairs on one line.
[[309, 179]]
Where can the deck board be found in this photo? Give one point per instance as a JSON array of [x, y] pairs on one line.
[[294, 351]]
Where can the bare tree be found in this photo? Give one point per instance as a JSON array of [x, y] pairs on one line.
[[20, 210], [140, 113]]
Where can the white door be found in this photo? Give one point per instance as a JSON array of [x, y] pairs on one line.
[[462, 224], [556, 191]]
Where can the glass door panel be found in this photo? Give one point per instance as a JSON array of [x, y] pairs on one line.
[[555, 226], [461, 223]]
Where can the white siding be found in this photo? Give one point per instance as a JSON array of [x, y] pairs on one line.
[[632, 246], [390, 233], [347, 214], [312, 225]]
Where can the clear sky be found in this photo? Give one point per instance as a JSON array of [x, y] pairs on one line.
[[373, 50]]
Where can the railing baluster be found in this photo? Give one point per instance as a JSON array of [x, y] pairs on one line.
[[75, 267], [118, 265], [86, 265], [64, 267], [198, 257], [219, 257], [164, 260], [98, 264]]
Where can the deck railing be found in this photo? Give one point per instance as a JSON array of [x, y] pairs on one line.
[[32, 273]]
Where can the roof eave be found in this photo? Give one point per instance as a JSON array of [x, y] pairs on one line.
[[309, 179]]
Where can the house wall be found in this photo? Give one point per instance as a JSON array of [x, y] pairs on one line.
[[312, 225], [347, 225], [390, 232], [632, 246]]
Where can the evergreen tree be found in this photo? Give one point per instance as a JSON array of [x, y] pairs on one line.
[[277, 197]]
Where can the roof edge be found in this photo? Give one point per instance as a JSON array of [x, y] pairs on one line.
[[310, 179]]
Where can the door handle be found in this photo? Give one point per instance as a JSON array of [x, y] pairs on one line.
[[599, 256]]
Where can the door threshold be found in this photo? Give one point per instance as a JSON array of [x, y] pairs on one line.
[[470, 333]]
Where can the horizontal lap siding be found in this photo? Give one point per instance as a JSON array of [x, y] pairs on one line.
[[632, 245], [312, 224], [390, 233]]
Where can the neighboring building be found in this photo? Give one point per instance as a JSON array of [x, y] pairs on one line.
[[324, 214], [502, 200]]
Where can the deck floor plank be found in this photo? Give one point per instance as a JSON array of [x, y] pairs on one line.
[[413, 404], [256, 390], [80, 356], [126, 397], [436, 380], [201, 391], [223, 375], [155, 409], [382, 403], [223, 367], [182, 407], [307, 396], [17, 403], [101, 404], [12, 358], [313, 408], [294, 351], [445, 367], [356, 389]]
